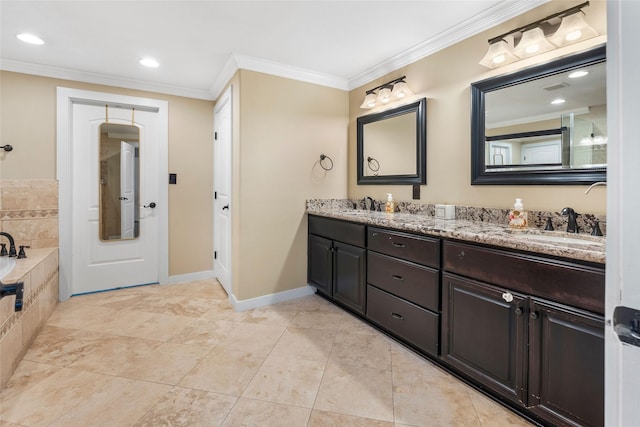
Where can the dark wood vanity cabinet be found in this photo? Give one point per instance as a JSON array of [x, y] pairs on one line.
[[337, 261], [403, 286], [499, 328]]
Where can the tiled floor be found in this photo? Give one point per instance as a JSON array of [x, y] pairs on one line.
[[180, 356]]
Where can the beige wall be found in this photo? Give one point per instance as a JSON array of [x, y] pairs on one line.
[[28, 122], [444, 79], [284, 126]]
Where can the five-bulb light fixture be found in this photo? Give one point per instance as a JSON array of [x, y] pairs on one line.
[[388, 92], [564, 28]]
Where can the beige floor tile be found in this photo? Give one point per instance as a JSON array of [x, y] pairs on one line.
[[173, 304], [117, 403], [168, 365], [116, 299], [317, 303], [433, 402], [52, 397], [27, 375], [270, 315], [331, 419], [113, 355], [286, 380], [186, 407], [63, 346], [354, 390], [205, 332], [223, 310], [318, 319], [121, 321], [405, 361], [250, 413], [491, 414], [224, 371], [305, 343], [159, 327], [73, 315], [256, 338], [353, 324], [370, 351], [8, 424]]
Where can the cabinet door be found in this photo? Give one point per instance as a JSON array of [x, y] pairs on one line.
[[484, 335], [349, 276], [320, 263], [566, 374]]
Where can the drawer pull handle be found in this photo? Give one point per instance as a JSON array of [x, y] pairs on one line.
[[396, 277], [397, 316], [534, 315], [461, 254], [398, 245]]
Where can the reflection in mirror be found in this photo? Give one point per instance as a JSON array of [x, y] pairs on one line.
[[543, 125], [392, 146], [119, 182]]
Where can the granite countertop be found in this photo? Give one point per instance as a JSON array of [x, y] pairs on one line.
[[582, 247]]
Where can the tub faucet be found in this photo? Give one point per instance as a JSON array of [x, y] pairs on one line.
[[12, 243], [572, 225]]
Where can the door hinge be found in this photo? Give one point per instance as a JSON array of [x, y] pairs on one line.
[[215, 254], [215, 195], [215, 136]]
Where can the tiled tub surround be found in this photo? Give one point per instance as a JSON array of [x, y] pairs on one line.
[[39, 272], [479, 225], [29, 211]]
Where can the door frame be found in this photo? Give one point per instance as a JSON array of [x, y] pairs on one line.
[[66, 97]]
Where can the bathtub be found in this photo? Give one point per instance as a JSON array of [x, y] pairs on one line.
[[6, 265]]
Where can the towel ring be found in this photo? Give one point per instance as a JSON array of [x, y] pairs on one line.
[[322, 157], [376, 164]]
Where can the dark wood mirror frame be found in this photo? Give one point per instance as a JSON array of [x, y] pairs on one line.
[[479, 175], [420, 177]]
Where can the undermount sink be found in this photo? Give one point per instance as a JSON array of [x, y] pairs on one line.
[[558, 239]]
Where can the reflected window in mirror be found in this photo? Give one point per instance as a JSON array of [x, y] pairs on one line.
[[119, 182], [542, 125], [392, 145]]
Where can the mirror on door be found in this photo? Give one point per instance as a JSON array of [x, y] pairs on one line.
[[119, 182]]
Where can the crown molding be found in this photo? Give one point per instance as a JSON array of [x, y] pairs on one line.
[[101, 79], [491, 17]]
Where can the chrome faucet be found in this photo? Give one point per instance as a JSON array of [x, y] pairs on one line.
[[12, 243], [572, 225]]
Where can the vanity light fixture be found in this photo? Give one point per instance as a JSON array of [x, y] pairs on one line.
[[391, 91], [544, 35], [30, 38]]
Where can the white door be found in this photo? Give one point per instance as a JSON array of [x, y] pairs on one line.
[[222, 122], [541, 153], [127, 189], [99, 264], [622, 352]]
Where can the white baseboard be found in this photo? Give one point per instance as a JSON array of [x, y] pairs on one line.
[[188, 277], [249, 304]]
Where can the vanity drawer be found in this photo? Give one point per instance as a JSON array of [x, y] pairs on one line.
[[413, 324], [415, 283], [423, 250], [567, 282], [339, 230]]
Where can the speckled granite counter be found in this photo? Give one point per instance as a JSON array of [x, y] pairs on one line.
[[580, 247]]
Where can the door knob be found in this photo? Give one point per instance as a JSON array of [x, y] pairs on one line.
[[122, 198], [150, 205], [225, 207]]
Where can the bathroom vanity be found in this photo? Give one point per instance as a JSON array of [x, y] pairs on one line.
[[520, 318]]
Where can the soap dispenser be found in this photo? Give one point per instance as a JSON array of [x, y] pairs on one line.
[[390, 206], [517, 215]]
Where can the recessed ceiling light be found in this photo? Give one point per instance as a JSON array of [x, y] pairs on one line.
[[558, 101], [30, 38], [579, 73], [149, 62]]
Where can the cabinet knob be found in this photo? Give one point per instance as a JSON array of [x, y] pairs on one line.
[[507, 296], [534, 315], [461, 254], [518, 311]]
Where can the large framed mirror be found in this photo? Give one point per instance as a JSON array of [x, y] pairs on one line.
[[543, 125], [392, 145]]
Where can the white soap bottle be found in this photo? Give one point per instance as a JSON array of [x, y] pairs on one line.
[[517, 215], [390, 206]]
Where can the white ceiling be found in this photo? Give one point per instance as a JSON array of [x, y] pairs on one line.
[[200, 44]]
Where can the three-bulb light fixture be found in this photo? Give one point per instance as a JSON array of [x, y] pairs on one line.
[[391, 91], [563, 28]]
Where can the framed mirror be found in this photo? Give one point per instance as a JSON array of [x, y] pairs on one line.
[[543, 125], [392, 145], [119, 182]]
